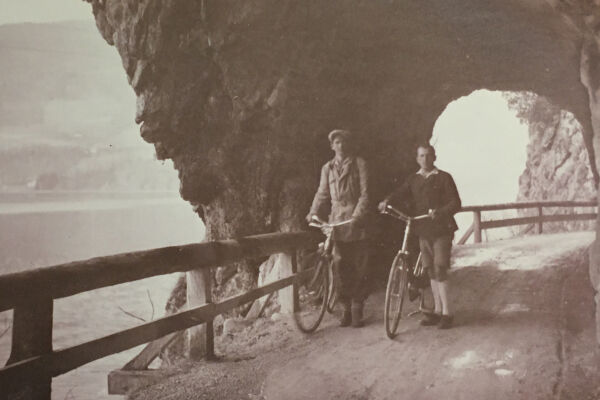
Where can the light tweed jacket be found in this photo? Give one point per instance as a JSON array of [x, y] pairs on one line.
[[344, 196]]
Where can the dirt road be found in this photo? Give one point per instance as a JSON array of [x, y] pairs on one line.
[[524, 329]]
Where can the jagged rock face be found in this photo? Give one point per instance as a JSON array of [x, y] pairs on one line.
[[588, 16], [241, 94], [557, 166]]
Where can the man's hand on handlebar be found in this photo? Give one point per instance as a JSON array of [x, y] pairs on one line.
[[327, 228], [382, 206], [317, 222], [432, 213], [313, 219]]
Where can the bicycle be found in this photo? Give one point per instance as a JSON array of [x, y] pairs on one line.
[[316, 292], [398, 280]]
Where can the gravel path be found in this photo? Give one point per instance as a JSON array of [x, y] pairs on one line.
[[521, 332]]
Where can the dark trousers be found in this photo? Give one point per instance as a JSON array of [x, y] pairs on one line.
[[351, 264]]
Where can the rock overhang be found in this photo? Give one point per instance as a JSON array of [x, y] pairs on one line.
[[213, 78]]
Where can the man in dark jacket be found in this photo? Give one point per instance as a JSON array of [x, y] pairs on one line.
[[432, 191], [343, 195]]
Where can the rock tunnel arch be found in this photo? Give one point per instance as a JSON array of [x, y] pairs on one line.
[[503, 147], [241, 94]]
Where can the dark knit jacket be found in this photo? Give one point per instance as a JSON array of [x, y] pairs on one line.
[[437, 192]]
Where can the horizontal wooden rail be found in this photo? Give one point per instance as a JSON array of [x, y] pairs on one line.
[[530, 204], [529, 220], [82, 276], [479, 225], [33, 362], [64, 360]]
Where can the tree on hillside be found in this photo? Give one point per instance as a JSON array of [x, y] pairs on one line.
[[531, 108]]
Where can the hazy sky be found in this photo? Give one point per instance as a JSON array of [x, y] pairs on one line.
[[480, 141], [483, 144], [14, 11]]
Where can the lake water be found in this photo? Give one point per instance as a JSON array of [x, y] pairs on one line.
[[44, 229]]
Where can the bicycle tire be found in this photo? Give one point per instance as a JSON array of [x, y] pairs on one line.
[[311, 295], [395, 294]]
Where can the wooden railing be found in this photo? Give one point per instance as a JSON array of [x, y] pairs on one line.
[[480, 225], [33, 362]]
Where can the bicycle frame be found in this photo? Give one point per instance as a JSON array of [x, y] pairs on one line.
[[326, 250], [389, 210], [314, 295], [403, 252]]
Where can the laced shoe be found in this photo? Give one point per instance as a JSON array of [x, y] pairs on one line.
[[445, 322], [430, 319], [346, 319], [357, 315]]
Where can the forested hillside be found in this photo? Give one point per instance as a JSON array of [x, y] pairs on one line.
[[66, 113]]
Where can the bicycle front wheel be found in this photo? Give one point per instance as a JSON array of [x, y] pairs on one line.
[[311, 294], [395, 294]]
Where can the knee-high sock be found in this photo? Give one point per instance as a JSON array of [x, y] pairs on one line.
[[436, 296], [443, 292]]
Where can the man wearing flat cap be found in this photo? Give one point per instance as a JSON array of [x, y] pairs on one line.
[[343, 195]]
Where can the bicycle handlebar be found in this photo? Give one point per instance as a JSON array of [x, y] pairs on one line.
[[400, 215], [316, 222]]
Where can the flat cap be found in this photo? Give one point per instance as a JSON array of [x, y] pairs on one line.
[[347, 135]]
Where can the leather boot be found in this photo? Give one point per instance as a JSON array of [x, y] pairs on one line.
[[357, 314], [346, 319]]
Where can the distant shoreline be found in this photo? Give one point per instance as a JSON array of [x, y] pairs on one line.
[[24, 202], [20, 194]]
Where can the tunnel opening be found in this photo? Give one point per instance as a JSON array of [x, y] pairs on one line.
[[506, 147]]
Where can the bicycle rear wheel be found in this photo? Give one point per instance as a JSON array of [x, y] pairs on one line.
[[395, 294], [311, 294]]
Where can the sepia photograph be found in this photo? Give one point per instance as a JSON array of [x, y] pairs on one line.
[[299, 199]]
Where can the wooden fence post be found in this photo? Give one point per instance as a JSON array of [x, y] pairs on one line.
[[200, 338], [477, 226], [295, 301], [32, 336], [287, 266], [466, 235], [540, 222]]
